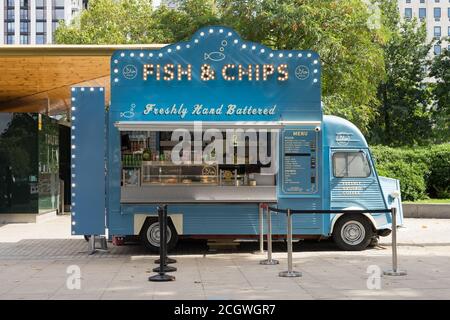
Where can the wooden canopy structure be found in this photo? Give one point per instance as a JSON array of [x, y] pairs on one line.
[[37, 78]]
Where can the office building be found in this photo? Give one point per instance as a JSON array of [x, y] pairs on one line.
[[436, 15], [35, 21]]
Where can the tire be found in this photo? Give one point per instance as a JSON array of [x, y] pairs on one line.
[[353, 232], [150, 235]]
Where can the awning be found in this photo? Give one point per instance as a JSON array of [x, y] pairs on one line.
[[191, 125], [37, 78]]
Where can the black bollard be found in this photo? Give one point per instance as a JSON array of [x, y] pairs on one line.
[[162, 276], [168, 259], [163, 244]]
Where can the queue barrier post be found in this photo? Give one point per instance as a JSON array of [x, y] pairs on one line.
[[163, 267], [290, 273], [163, 244], [261, 227], [269, 260], [394, 271], [167, 259]]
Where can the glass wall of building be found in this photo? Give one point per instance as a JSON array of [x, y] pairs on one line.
[[48, 139], [18, 163], [29, 168]]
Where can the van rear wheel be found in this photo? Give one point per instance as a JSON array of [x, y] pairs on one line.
[[150, 234], [353, 232]]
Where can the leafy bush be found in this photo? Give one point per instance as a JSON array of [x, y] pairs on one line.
[[439, 178], [410, 174], [422, 172]]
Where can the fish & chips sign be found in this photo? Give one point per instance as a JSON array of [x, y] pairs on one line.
[[215, 76]]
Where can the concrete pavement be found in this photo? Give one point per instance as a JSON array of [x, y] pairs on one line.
[[40, 268]]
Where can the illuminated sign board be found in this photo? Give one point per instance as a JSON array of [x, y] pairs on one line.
[[215, 76]]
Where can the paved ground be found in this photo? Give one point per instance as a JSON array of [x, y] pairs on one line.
[[41, 262]]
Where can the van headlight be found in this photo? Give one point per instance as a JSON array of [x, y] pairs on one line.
[[394, 194]]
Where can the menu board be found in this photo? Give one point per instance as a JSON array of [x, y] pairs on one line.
[[300, 161]]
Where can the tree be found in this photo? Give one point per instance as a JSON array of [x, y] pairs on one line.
[[351, 56], [350, 50], [440, 89], [404, 117], [112, 22]]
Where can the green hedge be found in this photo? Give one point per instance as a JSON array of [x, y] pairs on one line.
[[423, 172]]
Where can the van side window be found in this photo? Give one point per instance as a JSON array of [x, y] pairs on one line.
[[350, 165]]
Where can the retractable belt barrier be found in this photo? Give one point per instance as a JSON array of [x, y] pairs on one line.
[[289, 212], [163, 259]]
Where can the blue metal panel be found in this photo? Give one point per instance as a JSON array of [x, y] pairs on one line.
[[300, 162], [305, 224], [300, 178], [295, 98], [388, 185], [356, 192], [208, 219], [341, 133], [118, 224], [88, 165], [221, 219]]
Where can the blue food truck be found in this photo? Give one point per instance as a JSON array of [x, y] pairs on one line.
[[214, 127]]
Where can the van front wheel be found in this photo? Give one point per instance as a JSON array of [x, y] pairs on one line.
[[353, 232], [150, 234]]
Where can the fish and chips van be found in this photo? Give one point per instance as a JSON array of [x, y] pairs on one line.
[[215, 127]]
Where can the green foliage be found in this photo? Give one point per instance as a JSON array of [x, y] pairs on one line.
[[439, 178], [422, 171], [112, 22], [404, 117], [440, 71], [404, 165], [371, 75], [350, 50], [351, 55]]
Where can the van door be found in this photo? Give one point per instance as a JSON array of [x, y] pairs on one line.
[[354, 183]]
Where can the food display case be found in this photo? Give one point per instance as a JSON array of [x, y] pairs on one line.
[[131, 177], [165, 172], [149, 174]]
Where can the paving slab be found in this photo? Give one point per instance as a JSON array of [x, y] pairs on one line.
[[35, 267]]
